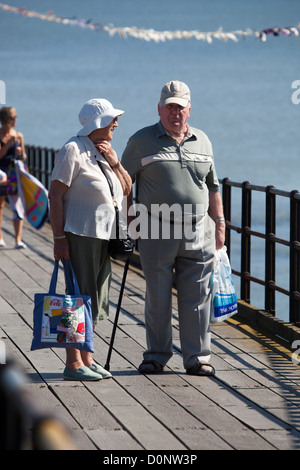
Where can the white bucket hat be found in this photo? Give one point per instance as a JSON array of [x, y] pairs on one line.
[[96, 114]]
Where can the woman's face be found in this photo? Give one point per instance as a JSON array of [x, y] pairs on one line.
[[106, 133], [9, 118], [12, 113], [12, 117]]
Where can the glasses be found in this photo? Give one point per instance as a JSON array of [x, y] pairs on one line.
[[12, 117]]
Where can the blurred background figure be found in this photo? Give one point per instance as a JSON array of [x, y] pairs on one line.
[[11, 148], [3, 177]]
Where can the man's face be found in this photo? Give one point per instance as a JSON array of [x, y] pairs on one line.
[[174, 117]]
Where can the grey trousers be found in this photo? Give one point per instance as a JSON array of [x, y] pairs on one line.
[[192, 265]]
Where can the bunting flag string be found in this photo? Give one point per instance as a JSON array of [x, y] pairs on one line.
[[157, 36]]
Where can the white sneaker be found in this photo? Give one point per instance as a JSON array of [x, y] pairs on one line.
[[20, 245], [2, 243]]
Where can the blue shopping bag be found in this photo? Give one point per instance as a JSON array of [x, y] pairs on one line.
[[224, 299], [62, 321]]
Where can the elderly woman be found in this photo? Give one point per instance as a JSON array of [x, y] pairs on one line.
[[11, 148], [82, 215]]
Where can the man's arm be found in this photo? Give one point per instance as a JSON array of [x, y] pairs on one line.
[[216, 212]]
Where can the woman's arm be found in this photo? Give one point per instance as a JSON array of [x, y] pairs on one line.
[[123, 177], [21, 150], [56, 194]]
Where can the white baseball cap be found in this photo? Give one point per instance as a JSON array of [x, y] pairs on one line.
[[96, 114]]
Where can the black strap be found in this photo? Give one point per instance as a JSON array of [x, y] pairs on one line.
[[108, 180], [113, 197]]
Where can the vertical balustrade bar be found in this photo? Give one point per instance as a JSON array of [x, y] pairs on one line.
[[52, 159], [294, 257], [43, 154], [39, 164], [245, 242], [29, 152], [35, 162], [270, 250], [227, 212], [47, 168]]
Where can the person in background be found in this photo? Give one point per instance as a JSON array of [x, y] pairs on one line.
[[11, 148], [3, 177], [82, 215], [174, 167]]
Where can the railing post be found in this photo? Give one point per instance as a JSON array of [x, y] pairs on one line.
[[49, 164], [39, 164], [33, 168], [30, 150], [245, 242], [227, 211], [40, 161], [294, 258], [270, 254]]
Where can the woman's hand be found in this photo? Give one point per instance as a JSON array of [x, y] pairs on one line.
[[19, 153], [107, 151], [110, 156], [61, 249], [12, 140]]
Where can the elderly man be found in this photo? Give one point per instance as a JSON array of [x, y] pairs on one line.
[[178, 186]]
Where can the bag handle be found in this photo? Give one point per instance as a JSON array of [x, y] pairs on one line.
[[72, 284], [113, 199]]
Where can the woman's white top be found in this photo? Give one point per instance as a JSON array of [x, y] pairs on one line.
[[88, 205]]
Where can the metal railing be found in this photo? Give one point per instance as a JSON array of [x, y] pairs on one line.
[[41, 161], [270, 241]]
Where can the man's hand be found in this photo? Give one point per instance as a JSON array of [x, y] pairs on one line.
[[220, 235]]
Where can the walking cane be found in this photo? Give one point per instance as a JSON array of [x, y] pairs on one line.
[[116, 316]]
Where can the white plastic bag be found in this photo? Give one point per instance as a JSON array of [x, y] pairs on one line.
[[224, 300]]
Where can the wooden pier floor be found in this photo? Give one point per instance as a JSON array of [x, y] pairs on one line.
[[252, 403]]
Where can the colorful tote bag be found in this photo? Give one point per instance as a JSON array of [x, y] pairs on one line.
[[34, 196], [62, 321], [12, 182]]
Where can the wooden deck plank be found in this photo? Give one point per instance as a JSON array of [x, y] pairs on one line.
[[253, 403]]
